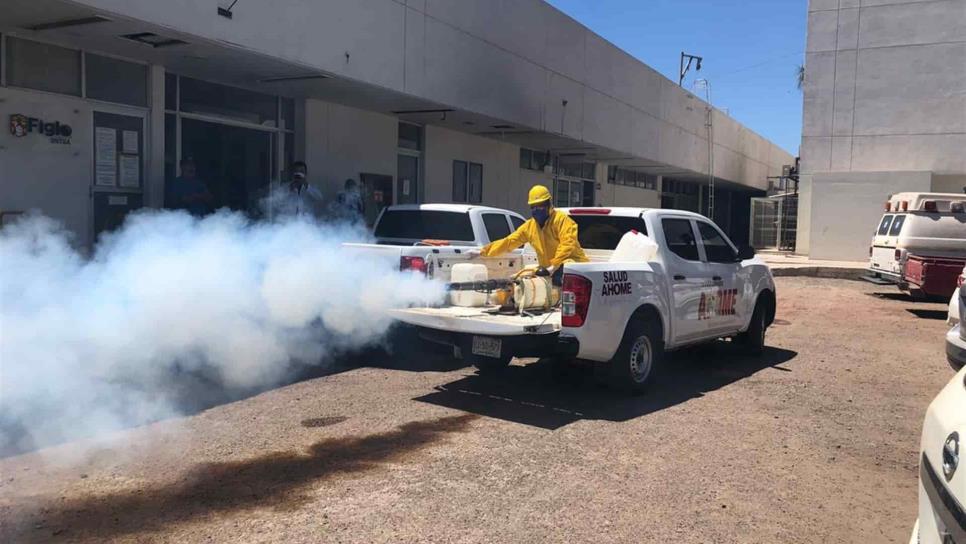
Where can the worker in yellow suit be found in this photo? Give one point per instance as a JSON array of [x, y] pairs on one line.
[[553, 235]]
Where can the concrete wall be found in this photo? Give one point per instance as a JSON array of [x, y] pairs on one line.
[[885, 91], [514, 60], [342, 142], [847, 206]]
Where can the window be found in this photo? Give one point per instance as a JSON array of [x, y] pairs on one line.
[[410, 136], [425, 224], [228, 102], [43, 67], [170, 91], [459, 181], [568, 194], [496, 226], [884, 225], [517, 222], [114, 80], [467, 182], [897, 225], [716, 248], [630, 178], [533, 160], [605, 231], [680, 238]]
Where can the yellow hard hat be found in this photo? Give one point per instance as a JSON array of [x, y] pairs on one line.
[[538, 194]]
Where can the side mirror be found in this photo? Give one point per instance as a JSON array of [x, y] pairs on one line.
[[745, 252]]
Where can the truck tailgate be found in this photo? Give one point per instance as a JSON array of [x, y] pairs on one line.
[[478, 321]]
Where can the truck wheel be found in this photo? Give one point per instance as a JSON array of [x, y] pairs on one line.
[[639, 358], [753, 340], [489, 365]]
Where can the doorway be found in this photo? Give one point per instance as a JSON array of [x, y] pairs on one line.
[[407, 172], [234, 162], [376, 193]]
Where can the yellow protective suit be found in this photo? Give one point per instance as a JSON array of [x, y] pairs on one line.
[[556, 243]]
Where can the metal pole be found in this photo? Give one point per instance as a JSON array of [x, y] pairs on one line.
[[710, 125]]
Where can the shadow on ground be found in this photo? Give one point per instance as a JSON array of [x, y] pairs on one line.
[[928, 314], [282, 480], [530, 395]]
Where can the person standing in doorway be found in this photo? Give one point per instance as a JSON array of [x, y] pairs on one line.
[[349, 204], [298, 196], [187, 192]]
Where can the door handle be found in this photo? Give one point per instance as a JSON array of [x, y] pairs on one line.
[[716, 278], [679, 277]]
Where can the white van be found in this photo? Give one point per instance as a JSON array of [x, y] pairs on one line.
[[920, 243]]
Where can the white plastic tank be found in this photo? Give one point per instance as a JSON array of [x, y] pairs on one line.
[[463, 272], [634, 246]]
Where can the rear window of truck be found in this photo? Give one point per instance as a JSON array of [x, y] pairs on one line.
[[425, 225], [605, 231], [897, 225], [884, 225]]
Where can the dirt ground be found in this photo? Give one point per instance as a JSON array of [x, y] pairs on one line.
[[814, 442]]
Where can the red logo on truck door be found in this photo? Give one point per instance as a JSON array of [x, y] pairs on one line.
[[717, 302]]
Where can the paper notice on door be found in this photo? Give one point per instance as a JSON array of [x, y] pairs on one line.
[[130, 170], [129, 142], [405, 186], [105, 156]]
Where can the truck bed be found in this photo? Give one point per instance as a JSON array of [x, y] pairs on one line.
[[479, 321]]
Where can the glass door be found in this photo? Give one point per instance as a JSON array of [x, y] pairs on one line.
[[407, 179]]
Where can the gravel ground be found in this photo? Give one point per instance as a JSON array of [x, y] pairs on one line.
[[814, 442]]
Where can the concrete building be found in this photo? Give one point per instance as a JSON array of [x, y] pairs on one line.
[[884, 111], [421, 100]]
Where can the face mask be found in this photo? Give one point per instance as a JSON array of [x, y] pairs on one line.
[[540, 214]]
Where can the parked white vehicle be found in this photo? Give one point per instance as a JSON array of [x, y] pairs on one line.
[[942, 476], [920, 243], [956, 337], [622, 315], [409, 233]]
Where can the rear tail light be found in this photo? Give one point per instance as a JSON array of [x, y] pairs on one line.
[[413, 263], [870, 251], [930, 206], [888, 206], [898, 254], [905, 205], [959, 280], [575, 300]]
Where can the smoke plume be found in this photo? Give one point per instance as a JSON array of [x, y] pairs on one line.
[[93, 344]]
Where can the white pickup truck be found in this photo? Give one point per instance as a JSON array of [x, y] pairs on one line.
[[409, 233], [622, 316]]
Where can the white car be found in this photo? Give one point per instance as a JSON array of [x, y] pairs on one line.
[[620, 314], [956, 337], [942, 478]]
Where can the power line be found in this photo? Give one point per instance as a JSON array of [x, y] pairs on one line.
[[720, 75]]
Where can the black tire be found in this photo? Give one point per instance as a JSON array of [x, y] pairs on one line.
[[753, 340], [639, 358]]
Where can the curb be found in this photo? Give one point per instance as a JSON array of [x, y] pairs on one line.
[[820, 272]]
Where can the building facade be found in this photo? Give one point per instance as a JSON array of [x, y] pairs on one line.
[[884, 111], [419, 100]]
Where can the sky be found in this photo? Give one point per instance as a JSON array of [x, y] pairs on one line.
[[751, 49]]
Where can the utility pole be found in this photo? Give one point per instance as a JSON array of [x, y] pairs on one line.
[[683, 68], [710, 126]]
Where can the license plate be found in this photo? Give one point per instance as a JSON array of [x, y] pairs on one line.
[[487, 347]]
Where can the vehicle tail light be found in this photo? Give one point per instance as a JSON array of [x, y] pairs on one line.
[[905, 205], [930, 206], [960, 280], [898, 254], [575, 300], [888, 206], [870, 251], [413, 263], [590, 211], [958, 207]]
